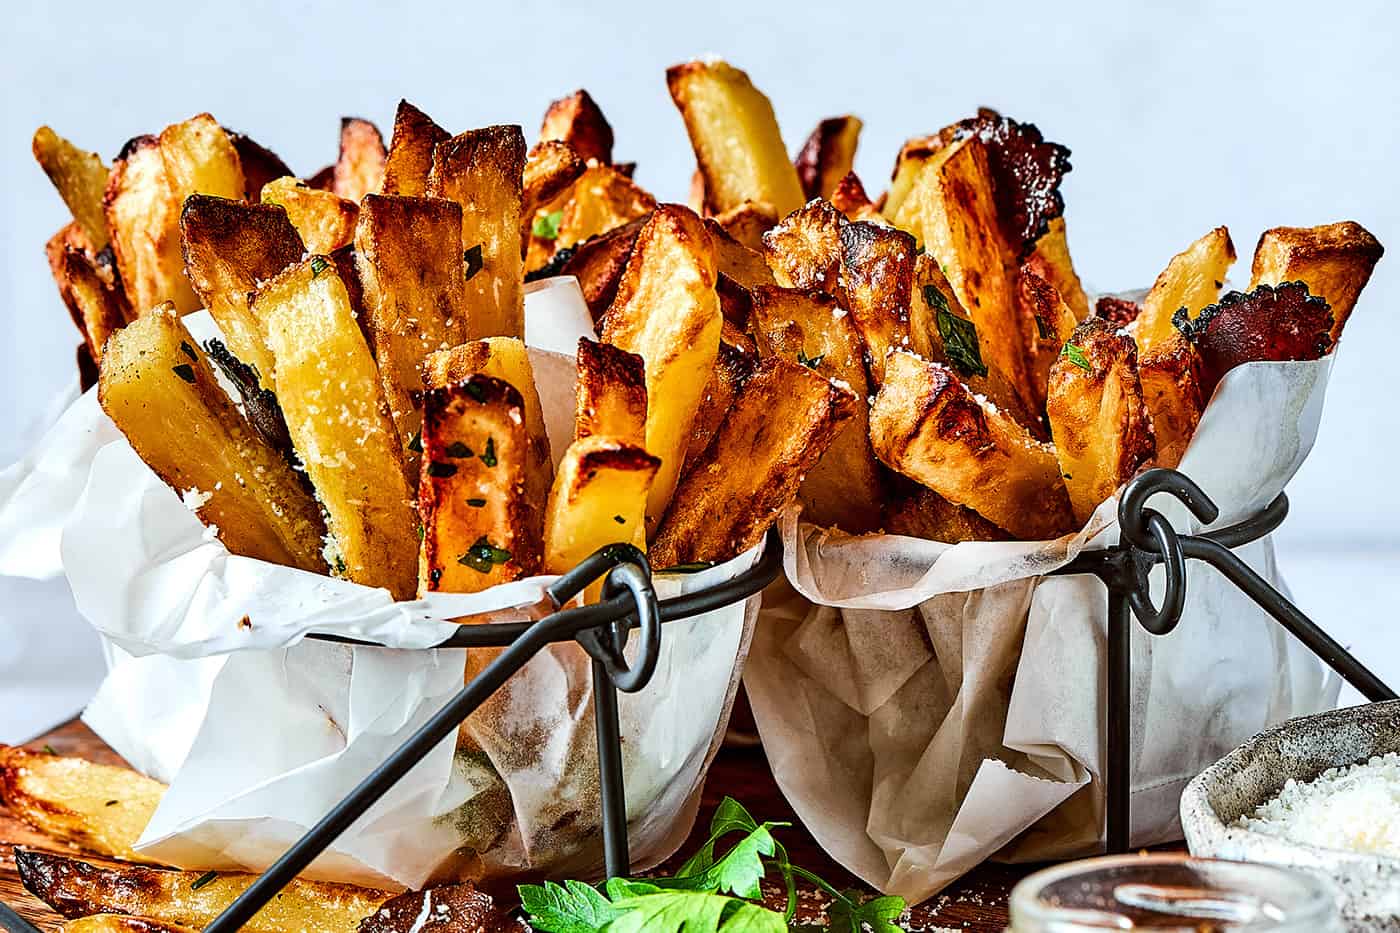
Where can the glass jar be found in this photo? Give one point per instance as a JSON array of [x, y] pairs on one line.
[[1172, 894]]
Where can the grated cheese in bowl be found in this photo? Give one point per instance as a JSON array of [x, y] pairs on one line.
[[1354, 809]]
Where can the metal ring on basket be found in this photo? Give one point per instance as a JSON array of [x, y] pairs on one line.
[[607, 649], [1168, 549]]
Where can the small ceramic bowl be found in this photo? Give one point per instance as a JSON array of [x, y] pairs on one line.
[[1255, 772]]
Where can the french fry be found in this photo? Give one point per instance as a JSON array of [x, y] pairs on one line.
[[746, 223], [158, 388], [827, 155], [1050, 260], [844, 489], [101, 309], [482, 171], [919, 512], [448, 908], [74, 888], [740, 270], [550, 168], [735, 135], [930, 427], [1334, 261], [119, 923], [578, 121], [599, 498], [260, 165], [1103, 432], [229, 247], [734, 364], [479, 527], [410, 157], [143, 218], [415, 297], [80, 178], [909, 165], [598, 264], [200, 158], [611, 396], [98, 808], [1192, 280], [601, 199], [1046, 323], [324, 221], [782, 422], [360, 168], [804, 250], [877, 278], [339, 422], [850, 199], [666, 311], [1171, 389]]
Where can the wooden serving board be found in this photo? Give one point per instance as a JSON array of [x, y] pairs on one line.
[[977, 903]]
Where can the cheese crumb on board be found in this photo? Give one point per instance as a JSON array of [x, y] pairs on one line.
[[1354, 809]]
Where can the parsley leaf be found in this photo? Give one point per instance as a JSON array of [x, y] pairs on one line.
[[188, 350], [477, 503], [415, 443], [546, 226], [1043, 327], [960, 342], [473, 260], [877, 914], [483, 555], [488, 456], [1077, 357], [811, 362], [185, 371], [458, 450], [203, 879], [442, 470], [693, 912], [573, 907], [319, 264]]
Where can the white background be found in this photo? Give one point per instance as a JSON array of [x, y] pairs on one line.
[[1250, 115]]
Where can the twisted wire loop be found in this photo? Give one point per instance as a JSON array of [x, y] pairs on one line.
[[1148, 531], [605, 644]]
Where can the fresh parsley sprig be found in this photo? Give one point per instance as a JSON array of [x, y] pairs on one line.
[[709, 894]]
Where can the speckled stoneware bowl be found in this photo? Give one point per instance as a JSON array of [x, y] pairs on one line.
[[1256, 771]]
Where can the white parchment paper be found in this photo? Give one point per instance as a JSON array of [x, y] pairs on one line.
[[926, 707], [214, 689]]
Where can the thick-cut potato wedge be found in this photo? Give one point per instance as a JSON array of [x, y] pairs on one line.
[[827, 155], [601, 199], [143, 218], [550, 168], [230, 247], [740, 271], [734, 364], [578, 121], [1046, 323], [260, 165], [598, 264], [338, 419], [410, 157], [482, 171], [415, 297], [324, 221], [87, 368], [1171, 389], [845, 488], [908, 166], [599, 498], [930, 427], [118, 923], [159, 389], [1334, 261], [735, 135], [74, 888], [666, 311], [1050, 260], [782, 422], [101, 309], [611, 396], [360, 168], [98, 808], [877, 276], [919, 512], [449, 908], [200, 159], [1103, 433], [1192, 280], [748, 222], [804, 250], [850, 199], [479, 526], [81, 180]]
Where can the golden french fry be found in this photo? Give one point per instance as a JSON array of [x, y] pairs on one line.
[[410, 157], [804, 250], [827, 156], [1334, 261], [260, 165], [783, 420], [338, 419], [200, 158], [159, 389], [599, 498], [601, 199], [908, 166], [919, 512], [877, 278], [1171, 389], [1050, 260], [740, 270], [734, 364], [850, 199], [101, 309], [611, 397], [81, 180], [120, 923], [143, 218], [360, 168], [324, 221], [1192, 280], [598, 264], [1046, 324], [578, 121], [746, 223]]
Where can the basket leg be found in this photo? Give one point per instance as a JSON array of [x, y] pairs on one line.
[[1118, 711], [612, 791]]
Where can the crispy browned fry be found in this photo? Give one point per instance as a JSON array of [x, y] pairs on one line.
[[159, 389], [1334, 261], [748, 222], [734, 364], [740, 270], [827, 155], [101, 309], [482, 170], [81, 180], [415, 297], [479, 527], [143, 218], [781, 424], [601, 199], [735, 136], [666, 311], [360, 168], [1267, 324], [804, 250], [230, 247], [611, 396], [1115, 310], [452, 908], [1103, 433], [1192, 280], [598, 264], [1050, 260], [928, 426], [849, 198], [99, 808], [410, 157], [74, 888], [550, 168], [1046, 323], [200, 159], [324, 221], [919, 512], [578, 121], [260, 165], [338, 419], [119, 923], [1171, 388], [845, 488], [877, 278], [599, 498]]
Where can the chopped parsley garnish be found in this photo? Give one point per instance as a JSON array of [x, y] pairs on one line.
[[960, 342], [415, 443], [459, 450], [546, 226], [811, 362], [435, 575], [203, 879], [488, 456], [472, 258], [340, 567], [934, 298], [442, 470], [1077, 357], [476, 503], [1043, 327], [188, 350], [319, 264], [483, 555], [475, 390], [185, 371], [421, 532], [619, 519], [111, 803], [49, 750]]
